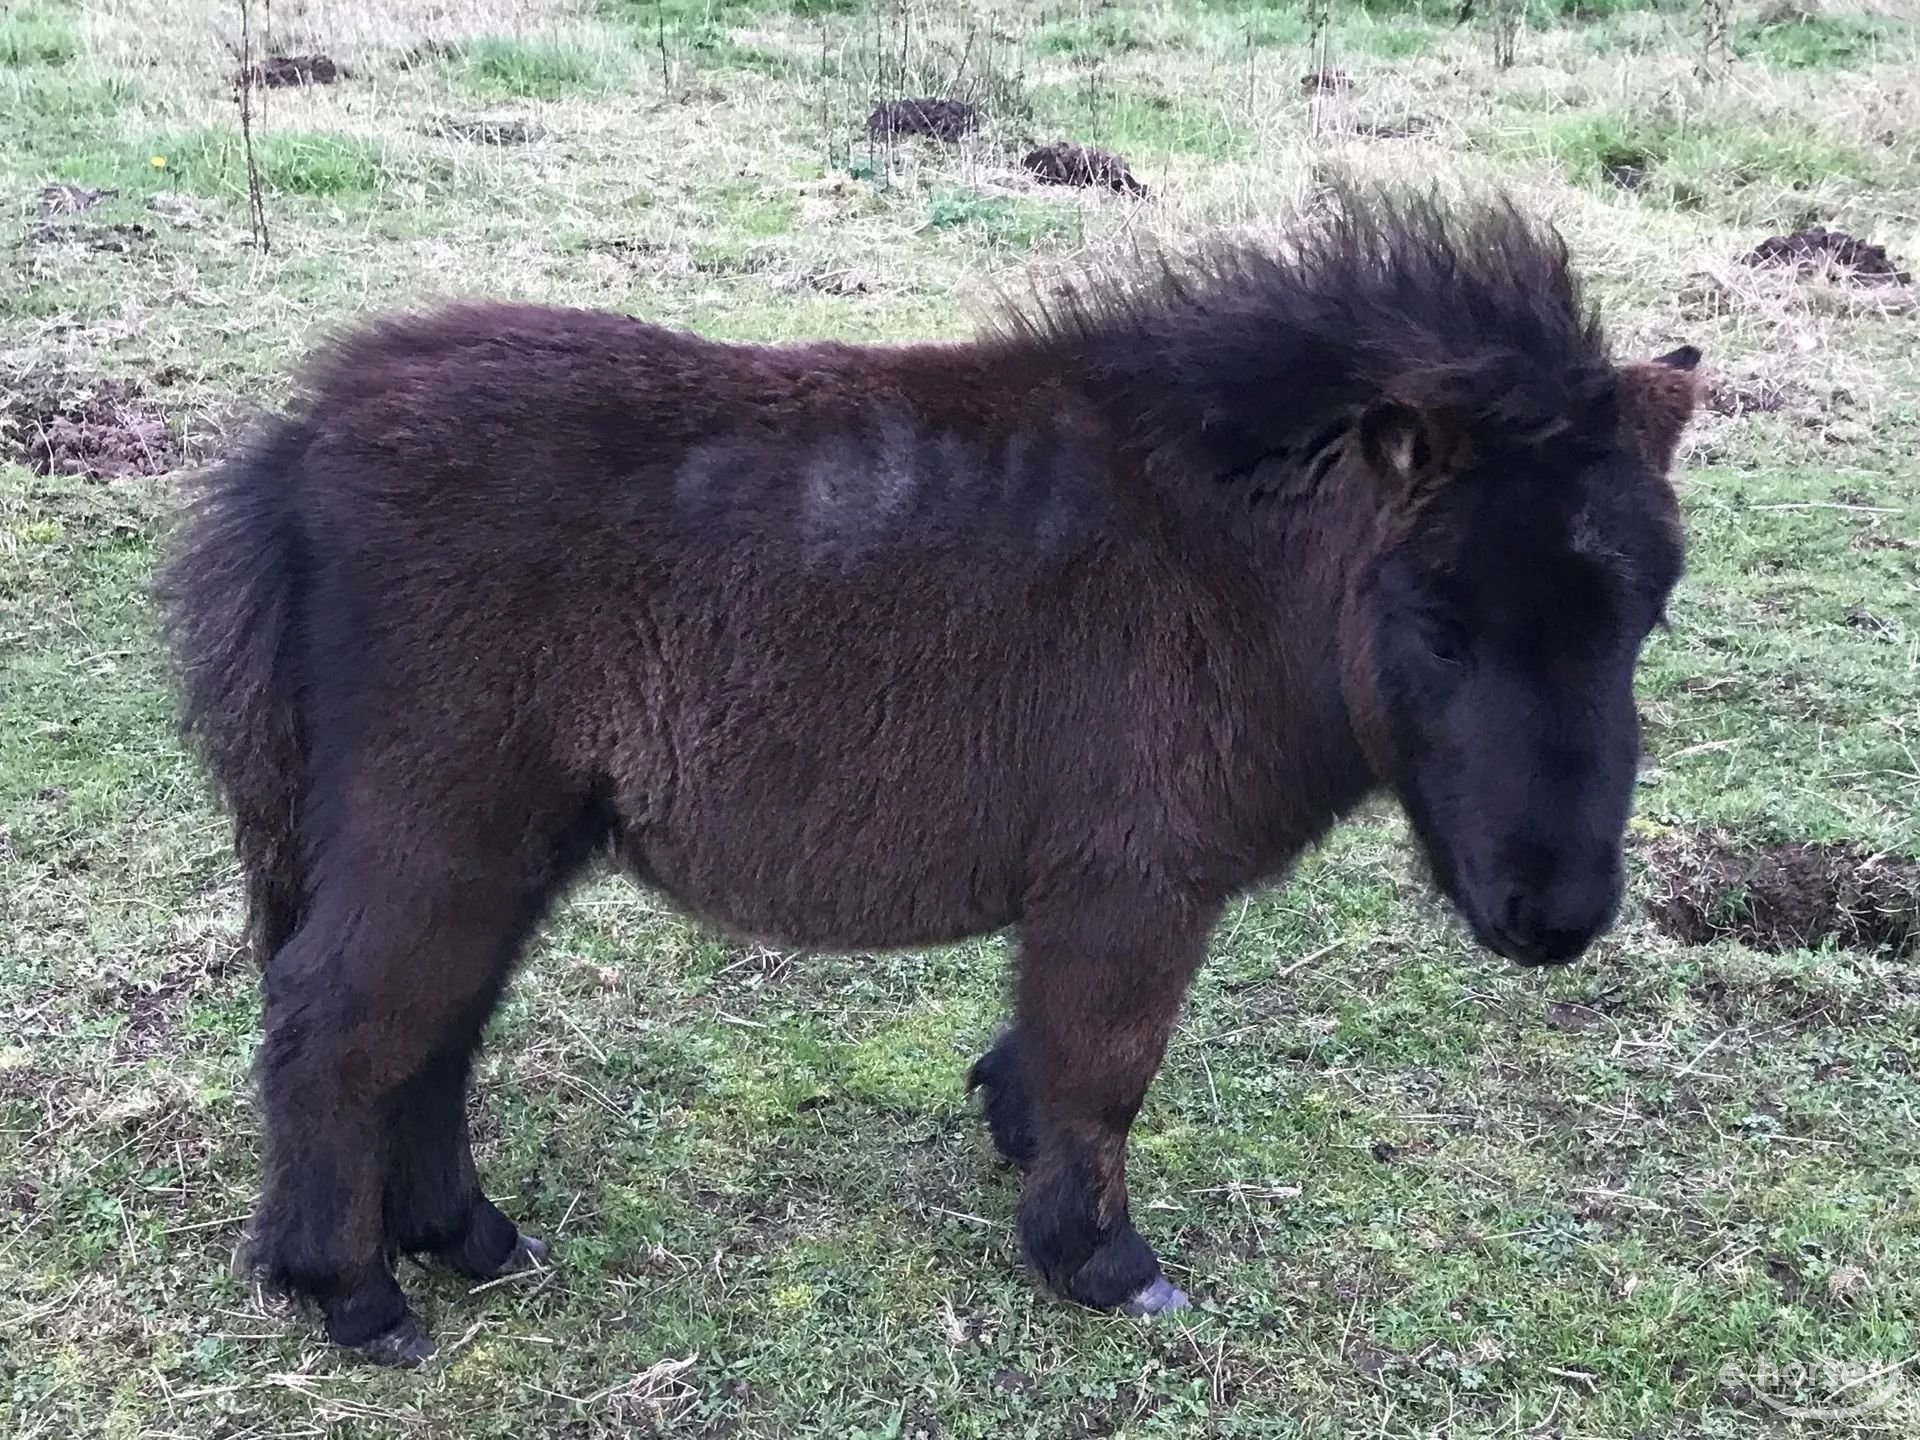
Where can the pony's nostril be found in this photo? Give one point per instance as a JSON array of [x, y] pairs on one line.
[[1555, 924], [1516, 914]]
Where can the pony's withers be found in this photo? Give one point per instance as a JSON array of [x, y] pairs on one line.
[[1083, 627]]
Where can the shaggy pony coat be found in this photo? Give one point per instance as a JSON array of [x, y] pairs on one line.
[[1084, 626]]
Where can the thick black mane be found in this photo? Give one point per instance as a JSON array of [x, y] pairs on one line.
[[1470, 312]]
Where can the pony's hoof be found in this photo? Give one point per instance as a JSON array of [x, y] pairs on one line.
[[1159, 1297], [405, 1346], [530, 1254], [526, 1253]]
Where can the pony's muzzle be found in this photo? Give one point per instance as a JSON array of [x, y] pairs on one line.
[[1554, 923]]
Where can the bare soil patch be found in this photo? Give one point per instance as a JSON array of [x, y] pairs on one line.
[[485, 129], [1627, 166], [1400, 127], [280, 72], [101, 429], [427, 52], [116, 239], [1066, 163], [151, 1014], [1574, 1016], [1817, 250], [937, 118], [1784, 897]]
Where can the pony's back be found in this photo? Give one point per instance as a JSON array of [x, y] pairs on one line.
[[820, 636]]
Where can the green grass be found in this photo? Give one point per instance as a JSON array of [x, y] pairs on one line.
[[1108, 32], [214, 163], [1664, 1192], [1389, 39], [1814, 42], [37, 35], [1008, 224], [497, 65], [1740, 167]]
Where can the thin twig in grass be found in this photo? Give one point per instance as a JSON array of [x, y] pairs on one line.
[[1579, 1377], [1871, 1375], [466, 1339], [592, 1045], [538, 1272], [1503, 21], [256, 204], [1319, 26], [649, 1384], [980, 1220], [758, 955], [1215, 1367], [660, 41], [1695, 1063], [1715, 17], [205, 1225], [1212, 1089], [1250, 1190], [592, 1092], [1830, 505], [1628, 1198]]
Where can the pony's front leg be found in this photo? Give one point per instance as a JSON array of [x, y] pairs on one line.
[[1102, 976]]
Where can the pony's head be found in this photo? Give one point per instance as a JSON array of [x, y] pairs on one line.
[[1409, 409], [1491, 637]]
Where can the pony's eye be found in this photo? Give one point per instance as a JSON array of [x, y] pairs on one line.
[[1444, 642]]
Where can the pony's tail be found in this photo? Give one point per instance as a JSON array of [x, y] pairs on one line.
[[230, 593]]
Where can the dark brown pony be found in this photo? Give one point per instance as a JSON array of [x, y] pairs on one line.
[[1082, 627]]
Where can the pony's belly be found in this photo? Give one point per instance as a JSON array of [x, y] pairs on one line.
[[839, 897]]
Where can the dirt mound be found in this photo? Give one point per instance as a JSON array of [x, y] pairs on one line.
[[1724, 395], [1817, 248], [100, 429], [65, 199], [1065, 163], [1784, 897], [277, 72], [1328, 81], [941, 119]]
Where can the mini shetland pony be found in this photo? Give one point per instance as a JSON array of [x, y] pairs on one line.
[[1083, 627]]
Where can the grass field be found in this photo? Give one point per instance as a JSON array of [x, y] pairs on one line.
[[1670, 1191]]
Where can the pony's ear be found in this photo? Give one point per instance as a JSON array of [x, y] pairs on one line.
[[1657, 398], [1407, 447]]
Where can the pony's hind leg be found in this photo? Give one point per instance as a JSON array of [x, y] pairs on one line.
[[1101, 982], [435, 1206], [373, 1011], [326, 1083]]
